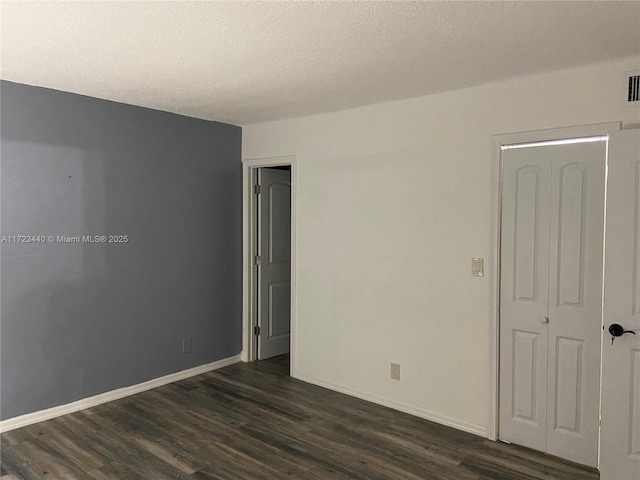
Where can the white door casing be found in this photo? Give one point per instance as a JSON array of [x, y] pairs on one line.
[[620, 432], [551, 290], [274, 271]]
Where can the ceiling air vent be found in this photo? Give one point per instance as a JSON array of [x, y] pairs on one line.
[[633, 88]]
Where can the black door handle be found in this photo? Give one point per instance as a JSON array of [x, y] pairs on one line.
[[617, 330]]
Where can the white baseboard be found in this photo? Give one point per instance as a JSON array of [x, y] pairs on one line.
[[402, 407], [49, 413]]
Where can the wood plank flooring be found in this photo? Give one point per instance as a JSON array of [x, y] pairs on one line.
[[251, 421]]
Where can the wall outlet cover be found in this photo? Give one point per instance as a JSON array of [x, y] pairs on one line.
[[395, 371], [477, 267]]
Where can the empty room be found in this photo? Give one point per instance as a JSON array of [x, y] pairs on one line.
[[320, 240]]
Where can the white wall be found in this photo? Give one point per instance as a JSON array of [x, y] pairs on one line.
[[394, 200]]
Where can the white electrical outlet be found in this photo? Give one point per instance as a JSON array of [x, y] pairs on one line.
[[477, 267], [186, 345], [395, 371]]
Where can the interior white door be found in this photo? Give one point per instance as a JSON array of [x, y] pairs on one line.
[[551, 293], [620, 433], [575, 299], [524, 267], [274, 271]]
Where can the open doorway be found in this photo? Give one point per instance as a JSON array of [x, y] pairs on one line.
[[269, 252]]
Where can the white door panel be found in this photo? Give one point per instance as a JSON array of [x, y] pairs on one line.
[[575, 299], [524, 298], [620, 433]]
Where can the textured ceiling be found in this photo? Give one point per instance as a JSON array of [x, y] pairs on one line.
[[248, 62]]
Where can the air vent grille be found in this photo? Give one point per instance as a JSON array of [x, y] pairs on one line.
[[633, 92]]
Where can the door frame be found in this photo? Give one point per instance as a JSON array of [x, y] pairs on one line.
[[498, 141], [249, 277]]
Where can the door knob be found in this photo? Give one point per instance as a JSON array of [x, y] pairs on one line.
[[617, 330]]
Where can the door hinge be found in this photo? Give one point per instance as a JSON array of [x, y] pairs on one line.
[[256, 330], [256, 189], [257, 260]]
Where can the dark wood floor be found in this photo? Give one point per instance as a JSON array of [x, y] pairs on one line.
[[252, 421]]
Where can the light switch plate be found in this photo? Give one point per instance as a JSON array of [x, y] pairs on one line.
[[477, 267]]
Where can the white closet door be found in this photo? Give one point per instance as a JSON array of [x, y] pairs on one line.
[[524, 297], [550, 299], [575, 299]]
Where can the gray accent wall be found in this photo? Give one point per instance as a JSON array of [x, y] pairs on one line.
[[79, 319]]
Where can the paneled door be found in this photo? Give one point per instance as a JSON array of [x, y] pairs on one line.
[[274, 269], [524, 297], [551, 298], [620, 434]]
